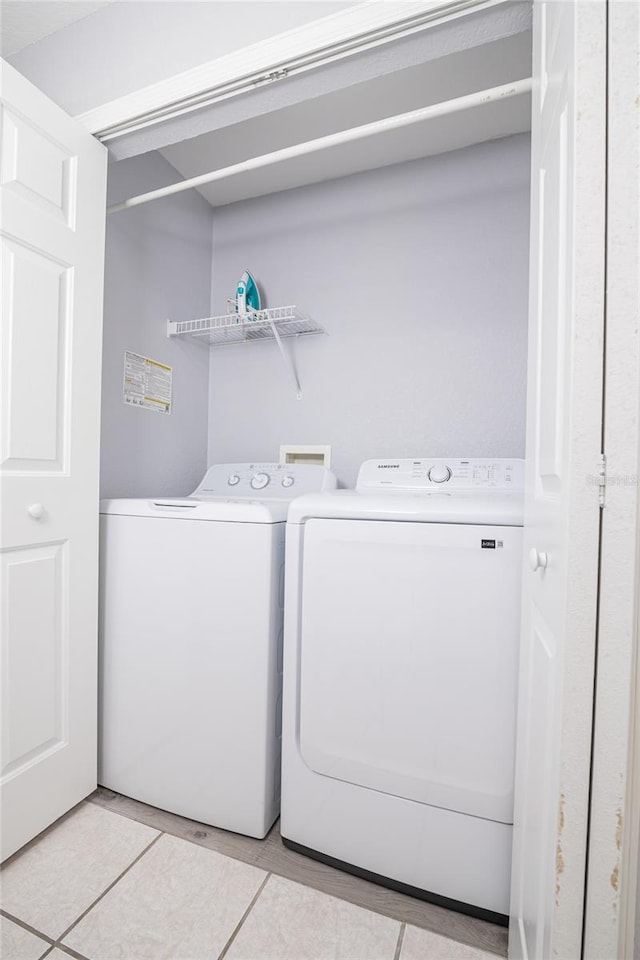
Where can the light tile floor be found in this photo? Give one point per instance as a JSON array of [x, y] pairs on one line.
[[99, 886]]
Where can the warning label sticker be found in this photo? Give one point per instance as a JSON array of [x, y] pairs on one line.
[[147, 383]]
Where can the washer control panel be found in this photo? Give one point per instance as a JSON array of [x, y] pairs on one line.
[[449, 475], [264, 481]]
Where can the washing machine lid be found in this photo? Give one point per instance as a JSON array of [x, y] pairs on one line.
[[478, 491], [220, 509]]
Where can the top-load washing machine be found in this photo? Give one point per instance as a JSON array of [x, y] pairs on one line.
[[191, 606], [402, 628]]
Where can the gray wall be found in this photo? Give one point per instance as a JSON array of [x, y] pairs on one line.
[[418, 273], [158, 266]]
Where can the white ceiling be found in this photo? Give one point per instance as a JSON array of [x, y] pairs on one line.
[[23, 22]]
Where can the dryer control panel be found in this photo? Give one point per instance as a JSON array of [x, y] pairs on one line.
[[481, 475], [264, 481]]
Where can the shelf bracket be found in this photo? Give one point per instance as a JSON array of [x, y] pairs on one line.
[[287, 359]]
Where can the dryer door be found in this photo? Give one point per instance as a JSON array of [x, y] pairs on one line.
[[409, 650]]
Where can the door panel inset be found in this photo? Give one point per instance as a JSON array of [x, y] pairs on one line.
[[552, 304], [34, 696], [409, 656], [37, 168], [37, 287]]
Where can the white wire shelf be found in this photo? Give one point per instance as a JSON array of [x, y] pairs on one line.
[[267, 324]]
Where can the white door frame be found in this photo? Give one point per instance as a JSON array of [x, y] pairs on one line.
[[612, 883]]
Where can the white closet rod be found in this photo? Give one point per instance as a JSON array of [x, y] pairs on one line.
[[514, 89]]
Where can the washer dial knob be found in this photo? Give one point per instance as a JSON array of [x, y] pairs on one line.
[[439, 474], [259, 481], [288, 481], [233, 480]]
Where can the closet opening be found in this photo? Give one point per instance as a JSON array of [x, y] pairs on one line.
[[389, 211], [407, 245]]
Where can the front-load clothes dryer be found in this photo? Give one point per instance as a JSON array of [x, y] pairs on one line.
[[400, 677], [191, 607]]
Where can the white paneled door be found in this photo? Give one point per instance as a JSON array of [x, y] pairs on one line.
[[52, 190], [564, 423]]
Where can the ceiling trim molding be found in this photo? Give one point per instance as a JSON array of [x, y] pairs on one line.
[[319, 42]]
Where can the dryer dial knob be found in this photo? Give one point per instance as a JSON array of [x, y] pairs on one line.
[[233, 480], [439, 474], [288, 481], [259, 481]]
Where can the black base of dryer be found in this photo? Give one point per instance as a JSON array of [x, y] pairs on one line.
[[467, 908]]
